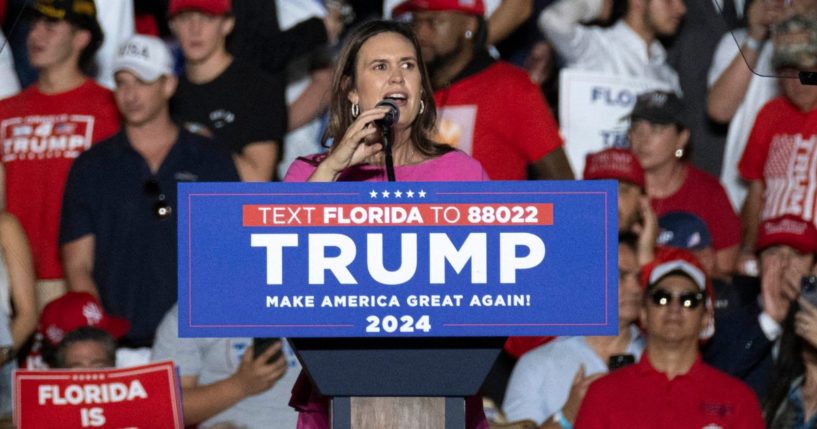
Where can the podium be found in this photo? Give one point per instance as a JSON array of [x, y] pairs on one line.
[[392, 378], [397, 297]]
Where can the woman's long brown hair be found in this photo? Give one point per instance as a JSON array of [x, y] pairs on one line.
[[344, 80]]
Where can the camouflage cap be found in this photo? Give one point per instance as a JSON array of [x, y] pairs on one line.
[[795, 43], [81, 13]]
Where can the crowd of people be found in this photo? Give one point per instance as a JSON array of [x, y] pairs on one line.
[[105, 106]]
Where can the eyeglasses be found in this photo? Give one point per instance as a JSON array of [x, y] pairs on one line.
[[688, 300], [161, 208]]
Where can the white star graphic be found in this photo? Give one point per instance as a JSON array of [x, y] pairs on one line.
[[373, 194], [410, 193], [398, 194], [385, 194], [422, 193]]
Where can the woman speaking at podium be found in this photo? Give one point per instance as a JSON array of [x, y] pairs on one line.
[[380, 70]]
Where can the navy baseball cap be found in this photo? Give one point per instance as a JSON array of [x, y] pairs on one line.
[[683, 230]]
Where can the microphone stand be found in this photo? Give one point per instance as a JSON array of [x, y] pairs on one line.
[[388, 135]]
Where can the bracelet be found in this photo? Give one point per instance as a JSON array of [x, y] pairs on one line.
[[753, 44], [560, 418]]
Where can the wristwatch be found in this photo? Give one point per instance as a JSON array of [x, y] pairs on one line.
[[753, 44]]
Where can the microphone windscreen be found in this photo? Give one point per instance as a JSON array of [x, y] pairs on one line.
[[393, 115]]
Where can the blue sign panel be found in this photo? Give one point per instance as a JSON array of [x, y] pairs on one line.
[[370, 259]]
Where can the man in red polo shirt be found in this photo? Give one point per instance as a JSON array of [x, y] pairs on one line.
[[671, 387]]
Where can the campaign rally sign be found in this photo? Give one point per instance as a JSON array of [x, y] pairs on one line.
[[374, 259], [593, 110], [138, 397]]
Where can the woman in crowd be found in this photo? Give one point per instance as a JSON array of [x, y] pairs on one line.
[[381, 60], [659, 138], [18, 308], [792, 398]]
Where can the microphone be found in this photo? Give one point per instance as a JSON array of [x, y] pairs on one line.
[[393, 115], [385, 124]]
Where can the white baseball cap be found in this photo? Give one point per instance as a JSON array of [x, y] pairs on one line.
[[145, 56]]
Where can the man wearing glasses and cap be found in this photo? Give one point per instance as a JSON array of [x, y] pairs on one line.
[[118, 229], [671, 387]]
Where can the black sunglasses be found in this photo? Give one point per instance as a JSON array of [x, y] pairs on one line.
[[688, 300], [161, 208]]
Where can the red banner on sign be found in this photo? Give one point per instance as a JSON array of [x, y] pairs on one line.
[[137, 397], [522, 214]]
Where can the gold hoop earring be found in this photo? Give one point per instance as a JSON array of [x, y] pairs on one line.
[[355, 110], [422, 107]]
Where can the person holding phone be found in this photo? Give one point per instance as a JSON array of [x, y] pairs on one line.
[[671, 387], [788, 403], [746, 337], [549, 382], [230, 381]]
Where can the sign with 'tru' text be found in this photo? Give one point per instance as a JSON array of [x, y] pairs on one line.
[[380, 259]]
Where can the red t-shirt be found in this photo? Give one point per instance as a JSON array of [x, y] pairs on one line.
[[702, 195], [498, 117], [638, 396], [42, 135], [782, 151], [517, 346]]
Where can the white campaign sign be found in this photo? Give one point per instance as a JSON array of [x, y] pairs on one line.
[[593, 107]]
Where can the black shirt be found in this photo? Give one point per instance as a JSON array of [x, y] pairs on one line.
[[242, 105]]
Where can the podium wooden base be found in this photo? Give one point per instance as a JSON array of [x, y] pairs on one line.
[[383, 383], [398, 412]]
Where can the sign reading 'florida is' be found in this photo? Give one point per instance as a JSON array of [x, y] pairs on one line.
[[397, 259], [144, 396]]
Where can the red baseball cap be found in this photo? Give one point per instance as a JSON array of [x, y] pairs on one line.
[[75, 310], [670, 259], [472, 7], [788, 230], [614, 163], [212, 7]]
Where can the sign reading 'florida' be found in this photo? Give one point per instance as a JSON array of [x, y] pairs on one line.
[[397, 259]]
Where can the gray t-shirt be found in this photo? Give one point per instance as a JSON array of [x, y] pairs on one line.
[[214, 359]]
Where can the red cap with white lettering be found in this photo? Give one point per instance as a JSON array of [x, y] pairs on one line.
[[788, 230], [75, 310]]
